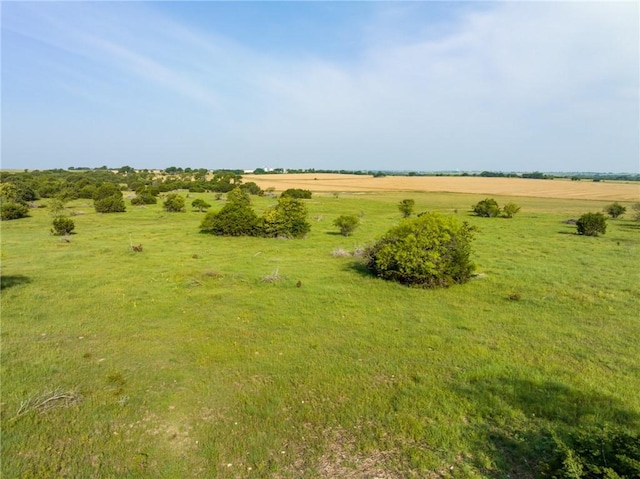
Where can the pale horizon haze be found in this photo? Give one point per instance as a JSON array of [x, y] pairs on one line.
[[423, 86]]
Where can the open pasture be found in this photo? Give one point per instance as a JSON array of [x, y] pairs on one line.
[[559, 188], [207, 357]]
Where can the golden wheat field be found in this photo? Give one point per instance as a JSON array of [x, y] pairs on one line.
[[558, 188]]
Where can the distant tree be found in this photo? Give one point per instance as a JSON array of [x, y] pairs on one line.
[[428, 251], [62, 225], [487, 208], [200, 204], [406, 207], [615, 210], [252, 188], [347, 224], [592, 224], [636, 210], [296, 193], [510, 209], [174, 203], [288, 218]]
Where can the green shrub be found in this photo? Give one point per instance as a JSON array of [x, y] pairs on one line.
[[110, 204], [252, 188], [428, 251], [487, 208], [13, 211], [236, 218], [174, 203], [296, 193], [636, 211], [145, 198], [347, 224], [200, 204], [406, 207], [591, 224], [288, 218], [107, 190], [62, 226], [615, 210], [510, 209]]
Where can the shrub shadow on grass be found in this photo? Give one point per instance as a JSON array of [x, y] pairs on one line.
[[360, 268], [8, 281], [530, 428]]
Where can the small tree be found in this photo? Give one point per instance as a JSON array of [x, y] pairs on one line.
[[200, 205], [62, 225], [406, 207], [592, 224], [636, 211], [144, 198], [347, 224], [510, 209], [487, 208], [174, 203], [288, 218], [428, 251], [615, 210]]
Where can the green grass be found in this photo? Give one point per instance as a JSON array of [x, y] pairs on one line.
[[183, 362]]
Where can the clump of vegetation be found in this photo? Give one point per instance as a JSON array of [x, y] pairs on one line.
[[13, 204], [200, 205], [296, 193], [347, 224], [487, 208], [510, 209], [406, 207], [591, 224], [236, 218], [13, 211], [108, 199], [252, 188], [173, 203], [608, 453], [636, 210], [144, 198], [287, 219], [62, 226], [615, 210], [428, 251]]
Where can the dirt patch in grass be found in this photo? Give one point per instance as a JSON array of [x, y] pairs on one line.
[[612, 190]]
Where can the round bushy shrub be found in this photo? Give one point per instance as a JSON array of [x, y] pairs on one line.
[[487, 208], [13, 211], [200, 204], [296, 193], [287, 219], [347, 224], [110, 204], [592, 224], [62, 226], [174, 203], [428, 251], [510, 209], [145, 198], [236, 218]]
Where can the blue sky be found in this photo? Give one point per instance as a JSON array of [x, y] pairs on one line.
[[429, 86]]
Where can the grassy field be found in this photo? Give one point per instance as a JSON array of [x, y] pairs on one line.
[[184, 361]]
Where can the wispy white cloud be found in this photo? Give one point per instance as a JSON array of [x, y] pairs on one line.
[[493, 86]]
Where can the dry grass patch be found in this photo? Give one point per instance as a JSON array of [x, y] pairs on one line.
[[566, 189]]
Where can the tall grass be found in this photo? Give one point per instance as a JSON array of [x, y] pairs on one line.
[[183, 362]]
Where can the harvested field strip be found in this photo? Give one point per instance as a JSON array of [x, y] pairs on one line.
[[587, 190]]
